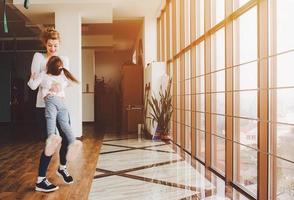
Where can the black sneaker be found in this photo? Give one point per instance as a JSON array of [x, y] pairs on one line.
[[65, 175], [45, 186]]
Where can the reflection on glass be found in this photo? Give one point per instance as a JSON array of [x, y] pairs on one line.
[[283, 176], [200, 145], [218, 154], [245, 132], [245, 165]]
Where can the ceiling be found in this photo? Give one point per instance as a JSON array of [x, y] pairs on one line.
[[122, 21]]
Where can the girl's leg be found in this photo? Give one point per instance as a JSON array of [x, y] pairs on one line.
[[62, 171], [64, 145], [53, 140], [74, 145]]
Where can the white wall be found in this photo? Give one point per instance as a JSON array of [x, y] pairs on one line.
[[88, 73], [149, 40], [71, 47]]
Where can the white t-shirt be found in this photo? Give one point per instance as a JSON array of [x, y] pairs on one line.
[[39, 66], [47, 80]]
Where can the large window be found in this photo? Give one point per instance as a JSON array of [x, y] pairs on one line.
[[281, 95], [234, 93]]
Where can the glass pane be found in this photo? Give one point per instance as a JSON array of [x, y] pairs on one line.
[[245, 132], [178, 25], [245, 104], [218, 50], [218, 125], [218, 154], [217, 11], [284, 29], [283, 175], [239, 3], [187, 22], [282, 140], [284, 105], [200, 59], [200, 84], [218, 81], [245, 42], [200, 145], [199, 18], [200, 104], [245, 76], [188, 132], [245, 165], [284, 70], [218, 103]]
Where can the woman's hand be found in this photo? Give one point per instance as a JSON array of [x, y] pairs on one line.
[[33, 76], [55, 87]]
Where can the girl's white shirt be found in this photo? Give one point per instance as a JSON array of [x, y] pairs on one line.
[[39, 68], [46, 83]]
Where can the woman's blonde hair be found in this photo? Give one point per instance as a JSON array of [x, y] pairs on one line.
[[49, 34]]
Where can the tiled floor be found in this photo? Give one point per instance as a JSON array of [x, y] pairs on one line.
[[142, 169]]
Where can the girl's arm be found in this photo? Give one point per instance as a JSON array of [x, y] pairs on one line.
[[35, 81]]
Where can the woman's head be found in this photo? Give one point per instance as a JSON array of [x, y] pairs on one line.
[[55, 67], [51, 39]]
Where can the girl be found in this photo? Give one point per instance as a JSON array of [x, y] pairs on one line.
[[51, 40], [55, 108]]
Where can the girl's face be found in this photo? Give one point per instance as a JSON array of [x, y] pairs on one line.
[[52, 47]]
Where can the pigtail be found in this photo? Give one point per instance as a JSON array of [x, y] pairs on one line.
[[69, 75]]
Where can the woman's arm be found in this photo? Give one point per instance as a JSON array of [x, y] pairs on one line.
[[35, 81]]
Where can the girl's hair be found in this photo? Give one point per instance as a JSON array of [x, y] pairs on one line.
[[55, 67], [49, 34]]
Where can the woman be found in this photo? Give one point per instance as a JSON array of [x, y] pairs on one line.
[[51, 40]]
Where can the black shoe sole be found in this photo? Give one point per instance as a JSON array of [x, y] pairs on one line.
[[60, 175]]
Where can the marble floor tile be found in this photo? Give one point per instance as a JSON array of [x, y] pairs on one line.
[[162, 148], [121, 188], [131, 159], [106, 148], [134, 142], [179, 172]]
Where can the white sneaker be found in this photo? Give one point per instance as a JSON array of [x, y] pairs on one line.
[[52, 143], [73, 150]]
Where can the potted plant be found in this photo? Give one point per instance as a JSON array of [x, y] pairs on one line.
[[161, 111]]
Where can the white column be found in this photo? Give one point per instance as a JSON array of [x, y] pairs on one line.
[[68, 23], [149, 36]]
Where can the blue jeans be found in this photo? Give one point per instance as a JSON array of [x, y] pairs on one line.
[[55, 109]]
